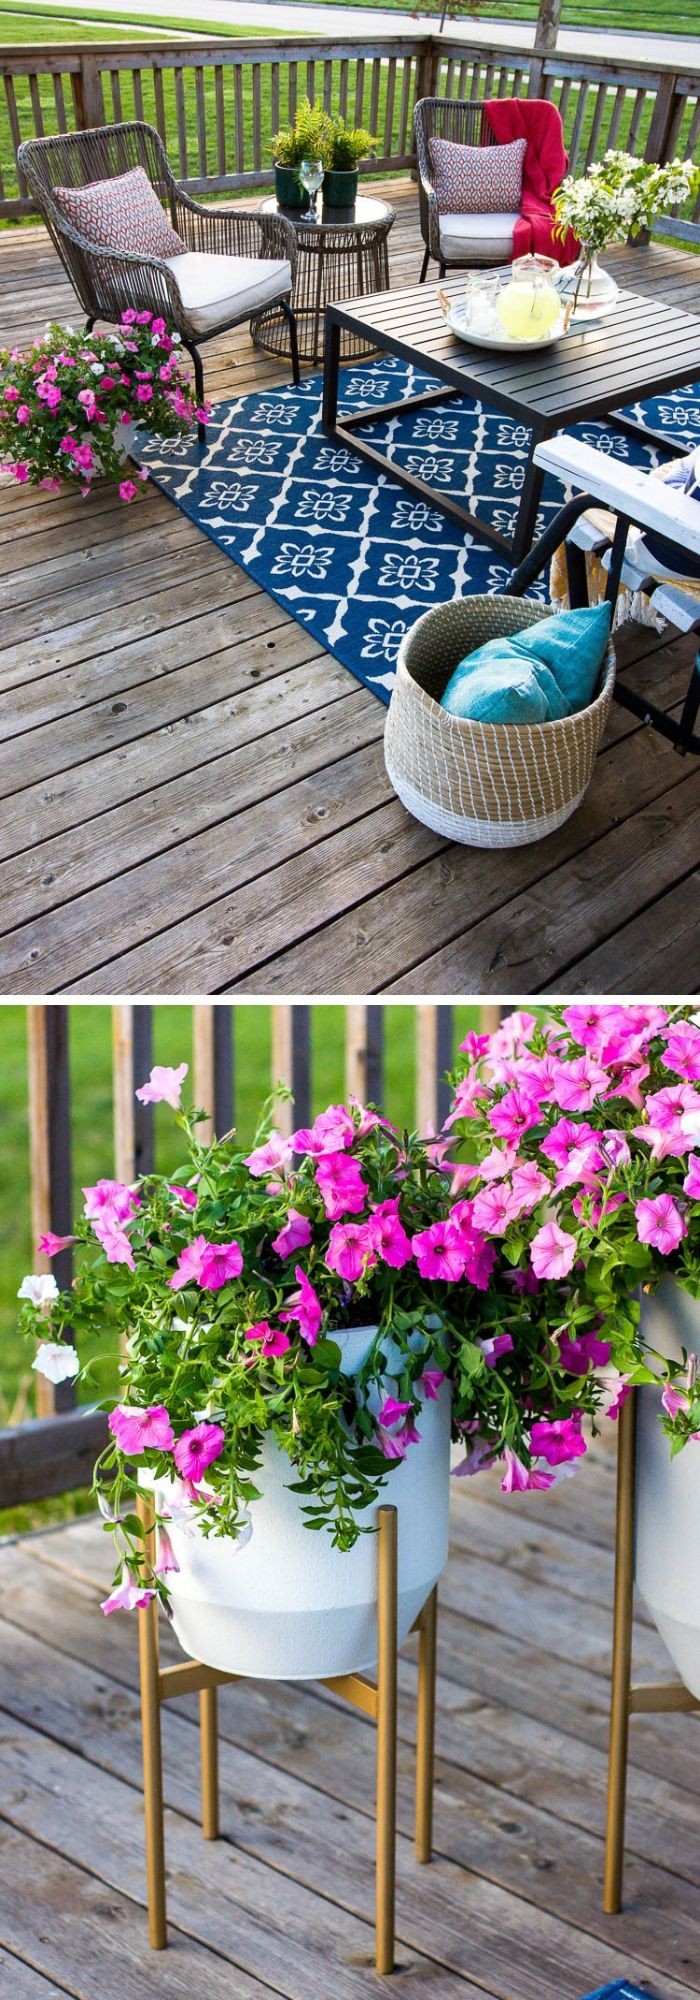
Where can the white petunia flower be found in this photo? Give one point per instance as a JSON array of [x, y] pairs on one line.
[[41, 1290], [56, 1361]]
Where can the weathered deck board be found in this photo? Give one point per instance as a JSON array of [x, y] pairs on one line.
[[511, 1904], [192, 794]]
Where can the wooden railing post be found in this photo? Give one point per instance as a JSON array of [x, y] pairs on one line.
[[428, 62], [291, 1063], [435, 1029], [132, 1043], [50, 1161], [665, 120], [87, 93], [546, 33], [364, 1050], [213, 1067]]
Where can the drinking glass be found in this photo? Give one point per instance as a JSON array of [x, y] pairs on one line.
[[311, 175]]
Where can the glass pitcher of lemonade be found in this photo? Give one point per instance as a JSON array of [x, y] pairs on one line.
[[529, 306]]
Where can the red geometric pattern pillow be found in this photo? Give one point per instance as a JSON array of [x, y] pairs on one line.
[[121, 214], [478, 180]]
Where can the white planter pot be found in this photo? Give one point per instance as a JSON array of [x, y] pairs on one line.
[[667, 1548], [286, 1605]]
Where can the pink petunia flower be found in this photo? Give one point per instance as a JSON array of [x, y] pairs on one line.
[[691, 1184], [515, 1114], [674, 1400], [682, 1052], [493, 1208], [128, 492], [351, 1250], [583, 1351], [219, 1263], [23, 413], [479, 1455], [137, 1430], [130, 1596], [439, 1252], [272, 1340], [166, 1559], [552, 1251], [114, 1240], [189, 1264], [530, 1186], [517, 1479], [394, 1444], [305, 1307], [660, 1223], [429, 1382], [332, 1132], [392, 1412], [341, 1185], [110, 1197], [164, 1086], [493, 1346], [558, 1441], [579, 1083], [270, 1158], [198, 1448], [294, 1235], [388, 1235], [188, 1196], [51, 1245]]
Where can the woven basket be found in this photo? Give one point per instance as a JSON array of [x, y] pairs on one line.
[[486, 784]]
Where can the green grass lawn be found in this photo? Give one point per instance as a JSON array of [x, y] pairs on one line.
[[25, 22]]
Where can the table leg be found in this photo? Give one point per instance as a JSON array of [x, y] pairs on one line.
[[526, 519], [331, 373]]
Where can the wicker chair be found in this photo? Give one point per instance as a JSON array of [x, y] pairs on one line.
[[108, 281], [465, 124]]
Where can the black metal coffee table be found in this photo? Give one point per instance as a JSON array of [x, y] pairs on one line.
[[643, 348], [341, 256]]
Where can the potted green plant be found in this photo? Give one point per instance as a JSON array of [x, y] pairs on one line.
[[69, 405], [583, 1135], [346, 146], [304, 139]]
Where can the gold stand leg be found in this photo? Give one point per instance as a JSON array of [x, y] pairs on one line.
[[152, 1760], [386, 1739], [425, 1732], [210, 1763], [622, 1657]]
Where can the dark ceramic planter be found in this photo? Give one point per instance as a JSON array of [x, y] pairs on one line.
[[339, 189], [289, 192]]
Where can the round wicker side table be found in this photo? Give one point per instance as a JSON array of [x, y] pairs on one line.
[[344, 256]]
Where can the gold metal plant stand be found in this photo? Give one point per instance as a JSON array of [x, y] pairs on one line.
[[653, 1698], [160, 1684]]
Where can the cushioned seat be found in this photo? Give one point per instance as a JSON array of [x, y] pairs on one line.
[[214, 289], [476, 239]]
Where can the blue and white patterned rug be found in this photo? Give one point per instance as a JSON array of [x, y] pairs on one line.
[[620, 1990], [345, 550]]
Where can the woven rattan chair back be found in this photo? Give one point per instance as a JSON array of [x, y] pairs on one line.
[[464, 123], [74, 159]]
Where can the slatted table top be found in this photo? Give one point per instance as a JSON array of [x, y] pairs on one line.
[[644, 347]]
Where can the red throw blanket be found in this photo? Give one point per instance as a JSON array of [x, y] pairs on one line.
[[544, 166]]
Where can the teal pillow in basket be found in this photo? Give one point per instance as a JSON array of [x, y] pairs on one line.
[[549, 670]]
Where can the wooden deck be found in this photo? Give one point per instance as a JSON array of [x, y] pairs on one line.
[[282, 1905], [193, 793]]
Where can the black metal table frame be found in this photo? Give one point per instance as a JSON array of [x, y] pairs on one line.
[[455, 381], [337, 239]]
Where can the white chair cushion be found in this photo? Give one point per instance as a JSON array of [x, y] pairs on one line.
[[477, 239], [214, 289]]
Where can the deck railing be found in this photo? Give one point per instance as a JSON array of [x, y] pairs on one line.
[[216, 104], [54, 1451]]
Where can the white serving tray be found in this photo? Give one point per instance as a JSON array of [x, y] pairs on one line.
[[501, 342]]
